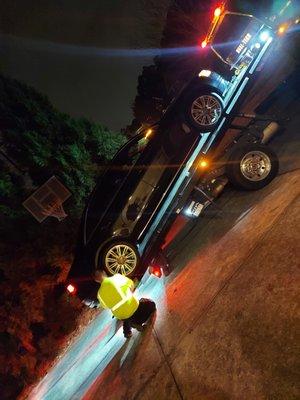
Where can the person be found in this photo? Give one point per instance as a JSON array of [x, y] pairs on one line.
[[116, 294]]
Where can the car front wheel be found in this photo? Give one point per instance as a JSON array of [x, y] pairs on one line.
[[204, 109], [120, 258], [252, 166]]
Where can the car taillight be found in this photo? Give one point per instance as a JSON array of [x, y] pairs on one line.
[[71, 289], [155, 270]]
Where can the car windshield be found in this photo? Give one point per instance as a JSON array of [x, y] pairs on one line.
[[233, 30]]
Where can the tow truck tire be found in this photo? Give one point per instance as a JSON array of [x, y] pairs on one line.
[[120, 257], [252, 166], [203, 109]]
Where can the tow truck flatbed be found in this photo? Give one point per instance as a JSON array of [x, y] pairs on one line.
[[205, 144]]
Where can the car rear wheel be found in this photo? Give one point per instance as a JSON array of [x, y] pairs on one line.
[[203, 109], [252, 166], [120, 258]]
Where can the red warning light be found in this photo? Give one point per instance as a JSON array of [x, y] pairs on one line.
[[217, 12], [204, 44], [156, 271], [71, 289]]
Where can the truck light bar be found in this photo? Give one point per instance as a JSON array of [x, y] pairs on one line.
[[217, 12]]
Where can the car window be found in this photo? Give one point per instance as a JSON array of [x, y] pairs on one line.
[[120, 165], [130, 152]]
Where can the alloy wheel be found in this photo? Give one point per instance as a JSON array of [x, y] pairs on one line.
[[206, 110], [122, 259]]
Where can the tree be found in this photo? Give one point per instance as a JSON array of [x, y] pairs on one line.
[[185, 24], [37, 141], [43, 142], [149, 101]]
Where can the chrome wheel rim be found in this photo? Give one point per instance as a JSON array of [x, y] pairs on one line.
[[206, 110], [255, 166], [121, 259]]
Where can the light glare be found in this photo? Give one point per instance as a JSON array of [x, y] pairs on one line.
[[264, 36], [282, 29], [148, 133], [203, 164], [205, 72], [217, 12], [71, 289]]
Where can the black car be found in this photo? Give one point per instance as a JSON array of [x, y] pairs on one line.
[[143, 189], [132, 202]]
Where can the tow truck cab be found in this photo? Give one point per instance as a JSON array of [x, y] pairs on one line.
[[234, 42]]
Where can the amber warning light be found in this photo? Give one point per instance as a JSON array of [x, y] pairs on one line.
[[71, 289], [203, 164], [217, 12]]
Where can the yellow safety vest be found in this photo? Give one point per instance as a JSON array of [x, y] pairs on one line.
[[115, 293]]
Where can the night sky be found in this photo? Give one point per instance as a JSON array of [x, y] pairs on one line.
[[57, 47]]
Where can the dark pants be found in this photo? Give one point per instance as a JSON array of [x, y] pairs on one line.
[[145, 309]]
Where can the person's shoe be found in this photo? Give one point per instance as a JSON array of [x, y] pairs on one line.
[[138, 327], [128, 334]]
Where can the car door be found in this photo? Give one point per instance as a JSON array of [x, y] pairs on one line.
[[163, 162]]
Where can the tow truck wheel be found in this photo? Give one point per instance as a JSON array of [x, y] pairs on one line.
[[203, 109], [120, 258], [252, 166]]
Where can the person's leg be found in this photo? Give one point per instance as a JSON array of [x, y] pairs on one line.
[[127, 331], [143, 313]]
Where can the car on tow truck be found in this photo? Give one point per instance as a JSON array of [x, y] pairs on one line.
[[159, 173], [150, 180]]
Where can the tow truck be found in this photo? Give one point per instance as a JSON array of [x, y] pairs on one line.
[[177, 166], [246, 162]]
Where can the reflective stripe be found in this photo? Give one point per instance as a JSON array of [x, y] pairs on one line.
[[123, 301], [103, 302]]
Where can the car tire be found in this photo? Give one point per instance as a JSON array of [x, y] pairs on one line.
[[120, 257], [203, 109], [252, 166]]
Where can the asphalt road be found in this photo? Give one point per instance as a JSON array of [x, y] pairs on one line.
[[191, 351]]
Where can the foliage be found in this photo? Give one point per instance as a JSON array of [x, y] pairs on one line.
[[37, 141], [186, 21], [44, 142], [150, 97]]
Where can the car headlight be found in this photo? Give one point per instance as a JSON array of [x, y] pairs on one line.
[[205, 72], [265, 35]]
